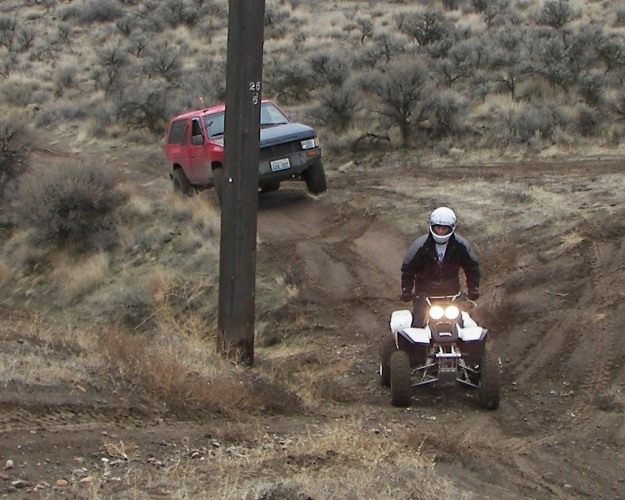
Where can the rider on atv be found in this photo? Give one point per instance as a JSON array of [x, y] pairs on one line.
[[432, 264]]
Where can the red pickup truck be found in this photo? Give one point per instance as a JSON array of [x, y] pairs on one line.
[[194, 147]]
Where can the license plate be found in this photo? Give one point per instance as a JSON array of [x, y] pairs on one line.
[[282, 164]]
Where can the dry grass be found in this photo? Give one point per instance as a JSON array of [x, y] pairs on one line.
[[36, 351], [6, 273], [345, 459], [75, 279]]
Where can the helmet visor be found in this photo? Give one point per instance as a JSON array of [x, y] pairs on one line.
[[441, 230]]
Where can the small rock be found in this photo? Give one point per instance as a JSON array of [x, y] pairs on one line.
[[8, 465], [80, 472], [19, 484], [61, 483]]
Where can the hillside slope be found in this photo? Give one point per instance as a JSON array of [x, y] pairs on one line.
[[549, 238]]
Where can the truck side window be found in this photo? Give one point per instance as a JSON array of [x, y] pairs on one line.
[[197, 139], [196, 128], [177, 129]]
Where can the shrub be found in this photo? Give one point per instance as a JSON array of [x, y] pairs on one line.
[[7, 32], [588, 120], [445, 112], [177, 12], [66, 77], [619, 12], [73, 205], [164, 60], [13, 147], [24, 38], [18, 91], [425, 27], [399, 89], [62, 112], [108, 74], [328, 67], [532, 121], [289, 78], [557, 13], [144, 106], [591, 88], [337, 109], [92, 11]]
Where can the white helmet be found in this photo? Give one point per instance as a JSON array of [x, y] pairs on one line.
[[442, 216]]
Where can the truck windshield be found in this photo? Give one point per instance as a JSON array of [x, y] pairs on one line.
[[270, 115], [215, 124]]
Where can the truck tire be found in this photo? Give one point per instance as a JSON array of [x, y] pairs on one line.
[[269, 186], [490, 381], [181, 184], [315, 178], [400, 379], [218, 179]]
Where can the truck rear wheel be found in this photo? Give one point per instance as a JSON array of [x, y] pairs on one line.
[[181, 184], [315, 178]]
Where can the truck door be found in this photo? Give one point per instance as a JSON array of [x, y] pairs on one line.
[[199, 155]]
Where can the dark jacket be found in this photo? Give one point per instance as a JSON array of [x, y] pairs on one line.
[[422, 273]]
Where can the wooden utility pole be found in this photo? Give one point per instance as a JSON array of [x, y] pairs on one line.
[[239, 205]]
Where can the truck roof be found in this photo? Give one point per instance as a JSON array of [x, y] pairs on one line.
[[205, 111]]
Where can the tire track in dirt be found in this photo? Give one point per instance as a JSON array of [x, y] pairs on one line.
[[598, 344], [341, 250], [604, 333]]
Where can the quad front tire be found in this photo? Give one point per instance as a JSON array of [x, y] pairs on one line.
[[387, 347], [400, 379], [490, 381]]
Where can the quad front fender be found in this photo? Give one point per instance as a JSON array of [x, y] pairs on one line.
[[400, 320], [416, 335], [471, 333]]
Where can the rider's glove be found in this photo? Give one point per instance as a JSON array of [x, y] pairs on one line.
[[474, 294], [406, 296]]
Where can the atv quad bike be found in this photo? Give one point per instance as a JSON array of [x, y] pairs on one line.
[[450, 348]]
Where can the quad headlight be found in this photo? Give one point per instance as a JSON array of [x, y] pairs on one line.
[[310, 143], [449, 312]]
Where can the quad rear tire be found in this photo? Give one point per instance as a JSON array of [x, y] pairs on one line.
[[400, 379], [181, 184], [490, 381], [315, 178], [387, 347]]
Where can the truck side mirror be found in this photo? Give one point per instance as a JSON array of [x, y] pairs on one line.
[[197, 140]]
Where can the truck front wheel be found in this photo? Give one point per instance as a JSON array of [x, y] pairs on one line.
[[218, 179], [315, 178]]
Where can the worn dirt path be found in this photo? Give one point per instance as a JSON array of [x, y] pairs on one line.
[[550, 241]]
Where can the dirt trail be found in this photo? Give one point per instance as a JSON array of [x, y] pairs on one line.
[[562, 409], [557, 286]]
